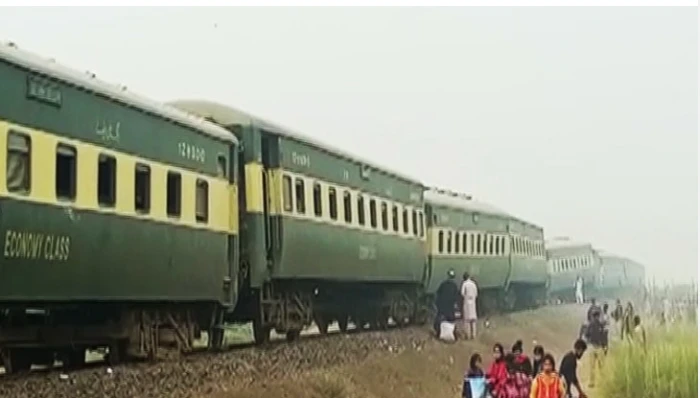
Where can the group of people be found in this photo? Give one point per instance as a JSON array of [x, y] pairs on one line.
[[514, 375], [450, 295]]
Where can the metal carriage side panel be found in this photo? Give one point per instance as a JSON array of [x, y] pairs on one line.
[[93, 118], [488, 273], [316, 250], [84, 255], [321, 246], [316, 163]]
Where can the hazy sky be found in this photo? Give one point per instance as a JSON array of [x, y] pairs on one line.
[[582, 120]]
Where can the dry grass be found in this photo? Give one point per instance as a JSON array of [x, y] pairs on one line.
[[433, 370]]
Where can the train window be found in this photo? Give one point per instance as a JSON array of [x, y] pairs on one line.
[[174, 189], [333, 203], [373, 213], [503, 245], [472, 243], [287, 193], [414, 219], [318, 206], [221, 166], [404, 220], [202, 201], [478, 244], [449, 242], [441, 243], [483, 245], [65, 172], [347, 206], [106, 180], [385, 217], [360, 209], [491, 245], [142, 188], [395, 218], [420, 224], [19, 162], [464, 243], [300, 195]]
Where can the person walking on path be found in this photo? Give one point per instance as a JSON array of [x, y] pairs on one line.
[[446, 299], [537, 358], [469, 293], [568, 368], [617, 315], [640, 334], [593, 308], [520, 360], [595, 334], [497, 373], [627, 322], [547, 383]]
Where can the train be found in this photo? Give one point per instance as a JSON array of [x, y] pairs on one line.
[[138, 225]]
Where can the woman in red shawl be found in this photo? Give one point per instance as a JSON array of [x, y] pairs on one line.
[[521, 361], [497, 373]]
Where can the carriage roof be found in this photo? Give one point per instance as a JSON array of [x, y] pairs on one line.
[[226, 115], [10, 53]]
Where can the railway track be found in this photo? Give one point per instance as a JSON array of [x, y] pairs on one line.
[[97, 358]]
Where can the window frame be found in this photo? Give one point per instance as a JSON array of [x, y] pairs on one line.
[[140, 168], [73, 188], [26, 152]]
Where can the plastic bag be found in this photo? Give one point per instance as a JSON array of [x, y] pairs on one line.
[[478, 386], [447, 331]]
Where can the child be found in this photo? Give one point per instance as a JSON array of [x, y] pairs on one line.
[[496, 375], [537, 355], [521, 361], [517, 383], [547, 383], [474, 380]]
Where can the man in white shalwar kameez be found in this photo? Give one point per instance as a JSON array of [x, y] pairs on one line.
[[469, 293], [579, 290]]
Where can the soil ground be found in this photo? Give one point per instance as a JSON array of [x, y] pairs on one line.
[[433, 369]]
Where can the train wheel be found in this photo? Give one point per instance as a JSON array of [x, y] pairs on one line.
[[343, 323], [293, 335], [16, 360], [216, 339], [261, 333], [117, 353], [322, 323], [73, 358]]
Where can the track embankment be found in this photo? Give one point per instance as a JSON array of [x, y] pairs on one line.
[[421, 367], [402, 362]]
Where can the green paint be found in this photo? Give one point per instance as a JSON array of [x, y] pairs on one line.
[[92, 118], [49, 254]]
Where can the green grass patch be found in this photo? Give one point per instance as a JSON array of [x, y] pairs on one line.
[[668, 368]]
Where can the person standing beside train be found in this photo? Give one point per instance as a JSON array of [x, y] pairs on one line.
[[469, 292], [446, 299]]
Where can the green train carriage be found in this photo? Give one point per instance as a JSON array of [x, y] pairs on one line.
[[528, 277], [567, 260], [497, 249], [119, 218], [467, 236], [619, 276], [326, 236]]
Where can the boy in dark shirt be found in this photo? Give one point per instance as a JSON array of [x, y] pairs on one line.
[[567, 369], [595, 334]]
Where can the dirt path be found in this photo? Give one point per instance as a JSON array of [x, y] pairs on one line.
[[430, 369]]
